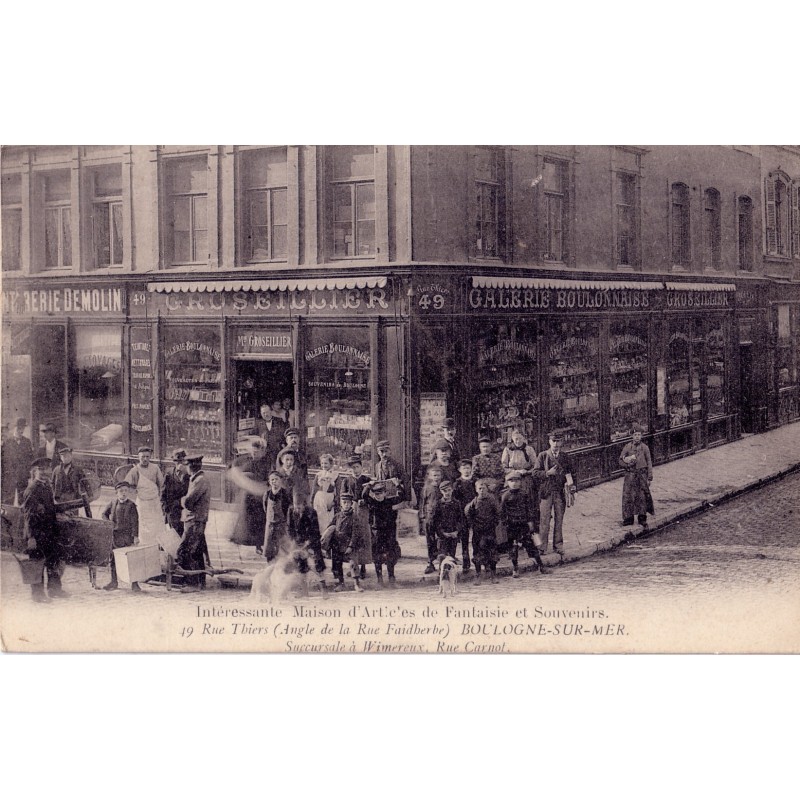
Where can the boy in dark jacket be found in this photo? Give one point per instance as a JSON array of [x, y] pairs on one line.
[[516, 514], [464, 493], [447, 521], [431, 495], [302, 528], [482, 515], [344, 541], [124, 516], [383, 524]]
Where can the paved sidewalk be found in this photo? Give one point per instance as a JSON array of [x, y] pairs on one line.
[[679, 488]]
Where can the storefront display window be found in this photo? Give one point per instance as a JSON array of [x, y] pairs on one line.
[[96, 389], [506, 383], [715, 370], [628, 354], [337, 366], [574, 395], [192, 394], [48, 376], [683, 372]]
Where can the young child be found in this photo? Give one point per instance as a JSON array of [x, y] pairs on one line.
[[342, 538], [464, 493], [383, 524], [447, 522], [431, 495], [482, 515], [276, 505], [124, 517], [355, 485], [516, 513]]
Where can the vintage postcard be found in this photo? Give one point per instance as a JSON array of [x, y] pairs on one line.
[[400, 399]]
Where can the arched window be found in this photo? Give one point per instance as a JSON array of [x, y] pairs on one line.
[[744, 221], [711, 229], [777, 217], [680, 225]]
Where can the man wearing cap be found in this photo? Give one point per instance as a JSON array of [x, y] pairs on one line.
[[344, 539], [635, 459], [292, 439], [52, 446], [487, 465], [443, 458], [69, 481], [556, 476], [353, 482], [449, 436], [176, 484], [516, 513], [148, 481], [272, 428], [383, 529], [17, 455], [387, 469], [122, 514], [193, 550], [41, 529], [447, 522]]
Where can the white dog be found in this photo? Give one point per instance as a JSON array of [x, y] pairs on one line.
[[275, 582], [448, 574]]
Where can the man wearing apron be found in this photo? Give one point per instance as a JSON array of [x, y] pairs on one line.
[[148, 481]]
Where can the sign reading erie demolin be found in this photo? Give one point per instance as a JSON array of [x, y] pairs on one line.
[[64, 300]]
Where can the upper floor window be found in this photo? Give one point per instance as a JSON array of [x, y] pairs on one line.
[[489, 232], [352, 192], [744, 221], [265, 218], [626, 219], [711, 229], [56, 193], [105, 187], [680, 225], [554, 186], [186, 211], [12, 221], [777, 194]]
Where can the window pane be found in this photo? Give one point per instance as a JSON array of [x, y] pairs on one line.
[[280, 246], [366, 238], [342, 204], [555, 212], [715, 371], [365, 201], [57, 186], [116, 233], [12, 238], [181, 224], [486, 164], [200, 245], [353, 162], [51, 225], [108, 181], [279, 207], [101, 414], [259, 242], [679, 387], [625, 184], [102, 241], [200, 215], [342, 239], [628, 352], [187, 175], [66, 243], [265, 168], [553, 176], [11, 192]]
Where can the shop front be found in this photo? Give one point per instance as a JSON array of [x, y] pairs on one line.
[[588, 357], [784, 335]]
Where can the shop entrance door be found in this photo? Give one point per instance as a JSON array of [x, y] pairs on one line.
[[260, 382], [746, 388]]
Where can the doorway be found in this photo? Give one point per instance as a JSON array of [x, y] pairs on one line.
[[746, 387], [259, 382]]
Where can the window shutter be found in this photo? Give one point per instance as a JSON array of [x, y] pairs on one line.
[[796, 220], [770, 218]]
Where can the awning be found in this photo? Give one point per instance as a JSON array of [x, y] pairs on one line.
[[277, 285], [515, 282], [701, 287]]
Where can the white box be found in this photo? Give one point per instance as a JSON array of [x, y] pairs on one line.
[[137, 563]]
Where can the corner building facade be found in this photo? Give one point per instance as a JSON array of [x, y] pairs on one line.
[[160, 295]]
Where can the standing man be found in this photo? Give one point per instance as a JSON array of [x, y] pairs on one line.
[[17, 456], [449, 436], [292, 439], [272, 429], [638, 464], [41, 529], [193, 551], [443, 458], [387, 469], [148, 481], [176, 484], [69, 482], [554, 470], [52, 446]]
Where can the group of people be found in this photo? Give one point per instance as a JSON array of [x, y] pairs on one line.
[[482, 502]]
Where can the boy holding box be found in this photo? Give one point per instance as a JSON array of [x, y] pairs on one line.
[[124, 516]]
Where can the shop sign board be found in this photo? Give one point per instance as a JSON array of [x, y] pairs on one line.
[[75, 301], [142, 387], [262, 343]]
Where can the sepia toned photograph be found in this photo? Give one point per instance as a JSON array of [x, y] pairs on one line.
[[373, 399]]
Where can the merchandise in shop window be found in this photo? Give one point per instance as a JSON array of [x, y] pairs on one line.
[[683, 386], [574, 395], [715, 372], [628, 352]]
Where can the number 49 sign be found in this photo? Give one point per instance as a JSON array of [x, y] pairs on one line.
[[433, 298]]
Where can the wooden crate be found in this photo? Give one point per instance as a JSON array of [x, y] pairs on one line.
[[137, 563]]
